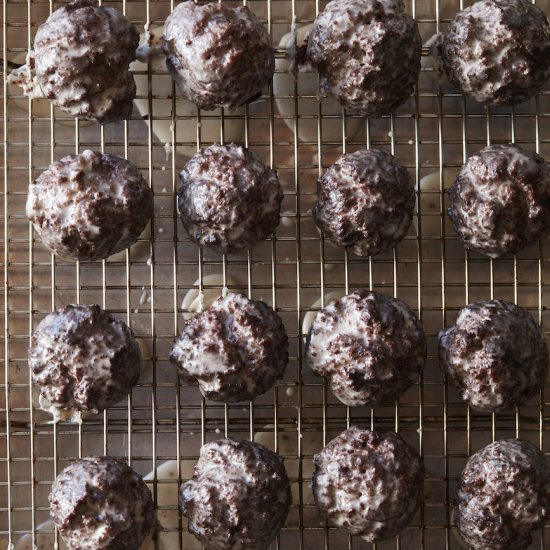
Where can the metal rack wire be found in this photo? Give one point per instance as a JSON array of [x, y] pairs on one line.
[[166, 420]]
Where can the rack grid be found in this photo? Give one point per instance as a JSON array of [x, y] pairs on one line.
[[296, 272]]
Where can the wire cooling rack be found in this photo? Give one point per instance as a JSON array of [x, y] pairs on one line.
[[300, 135]]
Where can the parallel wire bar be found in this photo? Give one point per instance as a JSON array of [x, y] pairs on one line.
[[441, 164], [6, 277], [31, 283]]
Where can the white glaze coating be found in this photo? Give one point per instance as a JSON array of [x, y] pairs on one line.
[[100, 503], [83, 359], [218, 56], [500, 201], [367, 53], [167, 537], [368, 483], [497, 51], [81, 57], [370, 346], [89, 206], [194, 301], [503, 495], [25, 78], [238, 497], [495, 354], [228, 199], [365, 202], [235, 350]]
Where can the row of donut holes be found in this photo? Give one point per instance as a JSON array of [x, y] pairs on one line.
[[284, 80]]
